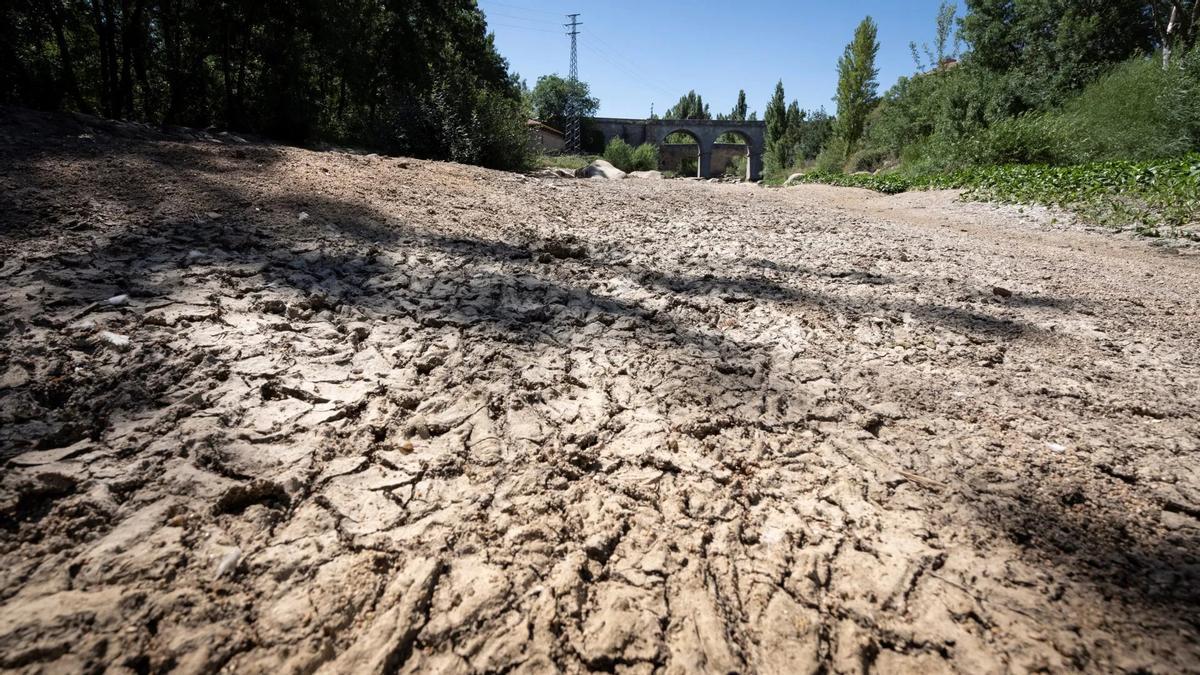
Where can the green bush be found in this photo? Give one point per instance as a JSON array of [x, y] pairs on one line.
[[1028, 139], [626, 158], [645, 157], [1149, 195], [619, 154], [1181, 100], [689, 167], [868, 159], [736, 168], [503, 138], [832, 158]]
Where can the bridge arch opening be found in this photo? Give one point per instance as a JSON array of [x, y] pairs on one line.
[[680, 153], [731, 154]]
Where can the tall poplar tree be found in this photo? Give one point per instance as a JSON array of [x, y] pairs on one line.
[[858, 83], [776, 118]]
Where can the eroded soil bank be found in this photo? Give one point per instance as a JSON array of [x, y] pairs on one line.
[[364, 414]]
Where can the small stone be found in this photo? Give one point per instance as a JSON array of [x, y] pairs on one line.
[[117, 341], [1001, 291], [303, 216], [118, 300], [229, 562]]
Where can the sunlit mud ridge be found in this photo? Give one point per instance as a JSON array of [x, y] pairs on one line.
[[272, 410]]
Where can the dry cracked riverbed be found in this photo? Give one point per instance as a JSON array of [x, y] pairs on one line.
[[265, 410]]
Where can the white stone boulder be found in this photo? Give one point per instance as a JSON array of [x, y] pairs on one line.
[[600, 169]]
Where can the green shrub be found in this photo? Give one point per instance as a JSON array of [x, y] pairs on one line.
[[619, 154], [1028, 139], [1181, 101], [571, 162], [736, 168], [503, 138], [689, 167], [1121, 116], [832, 158], [626, 158], [645, 157], [868, 159], [1149, 195]]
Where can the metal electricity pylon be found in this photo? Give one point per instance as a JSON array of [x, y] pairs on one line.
[[573, 140]]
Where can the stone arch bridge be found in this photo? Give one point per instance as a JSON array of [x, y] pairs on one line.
[[705, 132]]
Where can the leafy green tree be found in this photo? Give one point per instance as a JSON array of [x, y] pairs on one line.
[[421, 77], [775, 153], [551, 98], [1048, 49], [691, 106], [857, 84], [810, 134]]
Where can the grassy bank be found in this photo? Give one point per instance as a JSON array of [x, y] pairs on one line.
[[1150, 195]]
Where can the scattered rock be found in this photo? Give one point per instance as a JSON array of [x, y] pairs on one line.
[[646, 175], [1001, 291], [229, 563]]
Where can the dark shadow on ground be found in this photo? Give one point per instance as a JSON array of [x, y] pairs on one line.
[[1154, 573]]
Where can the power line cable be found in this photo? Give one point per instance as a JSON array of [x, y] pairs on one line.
[[520, 8], [628, 72], [515, 27], [618, 56], [540, 22]]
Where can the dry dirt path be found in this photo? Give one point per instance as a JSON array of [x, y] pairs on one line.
[[381, 415]]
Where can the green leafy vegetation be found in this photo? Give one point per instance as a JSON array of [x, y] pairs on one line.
[[1067, 103], [1150, 195], [628, 158], [552, 95], [691, 106], [857, 83], [571, 162], [416, 78]]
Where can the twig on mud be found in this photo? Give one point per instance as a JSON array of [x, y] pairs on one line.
[[921, 480]]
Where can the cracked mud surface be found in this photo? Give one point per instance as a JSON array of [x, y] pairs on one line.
[[453, 420]]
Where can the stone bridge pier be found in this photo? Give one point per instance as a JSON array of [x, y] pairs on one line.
[[705, 132]]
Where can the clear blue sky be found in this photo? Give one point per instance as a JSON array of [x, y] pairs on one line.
[[634, 53]]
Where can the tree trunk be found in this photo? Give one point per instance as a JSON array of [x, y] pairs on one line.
[[57, 21], [105, 66]]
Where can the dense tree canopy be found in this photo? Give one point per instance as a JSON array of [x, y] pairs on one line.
[[414, 76], [1050, 48], [691, 106], [552, 95]]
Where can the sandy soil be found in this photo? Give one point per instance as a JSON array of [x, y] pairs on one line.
[[364, 414]]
